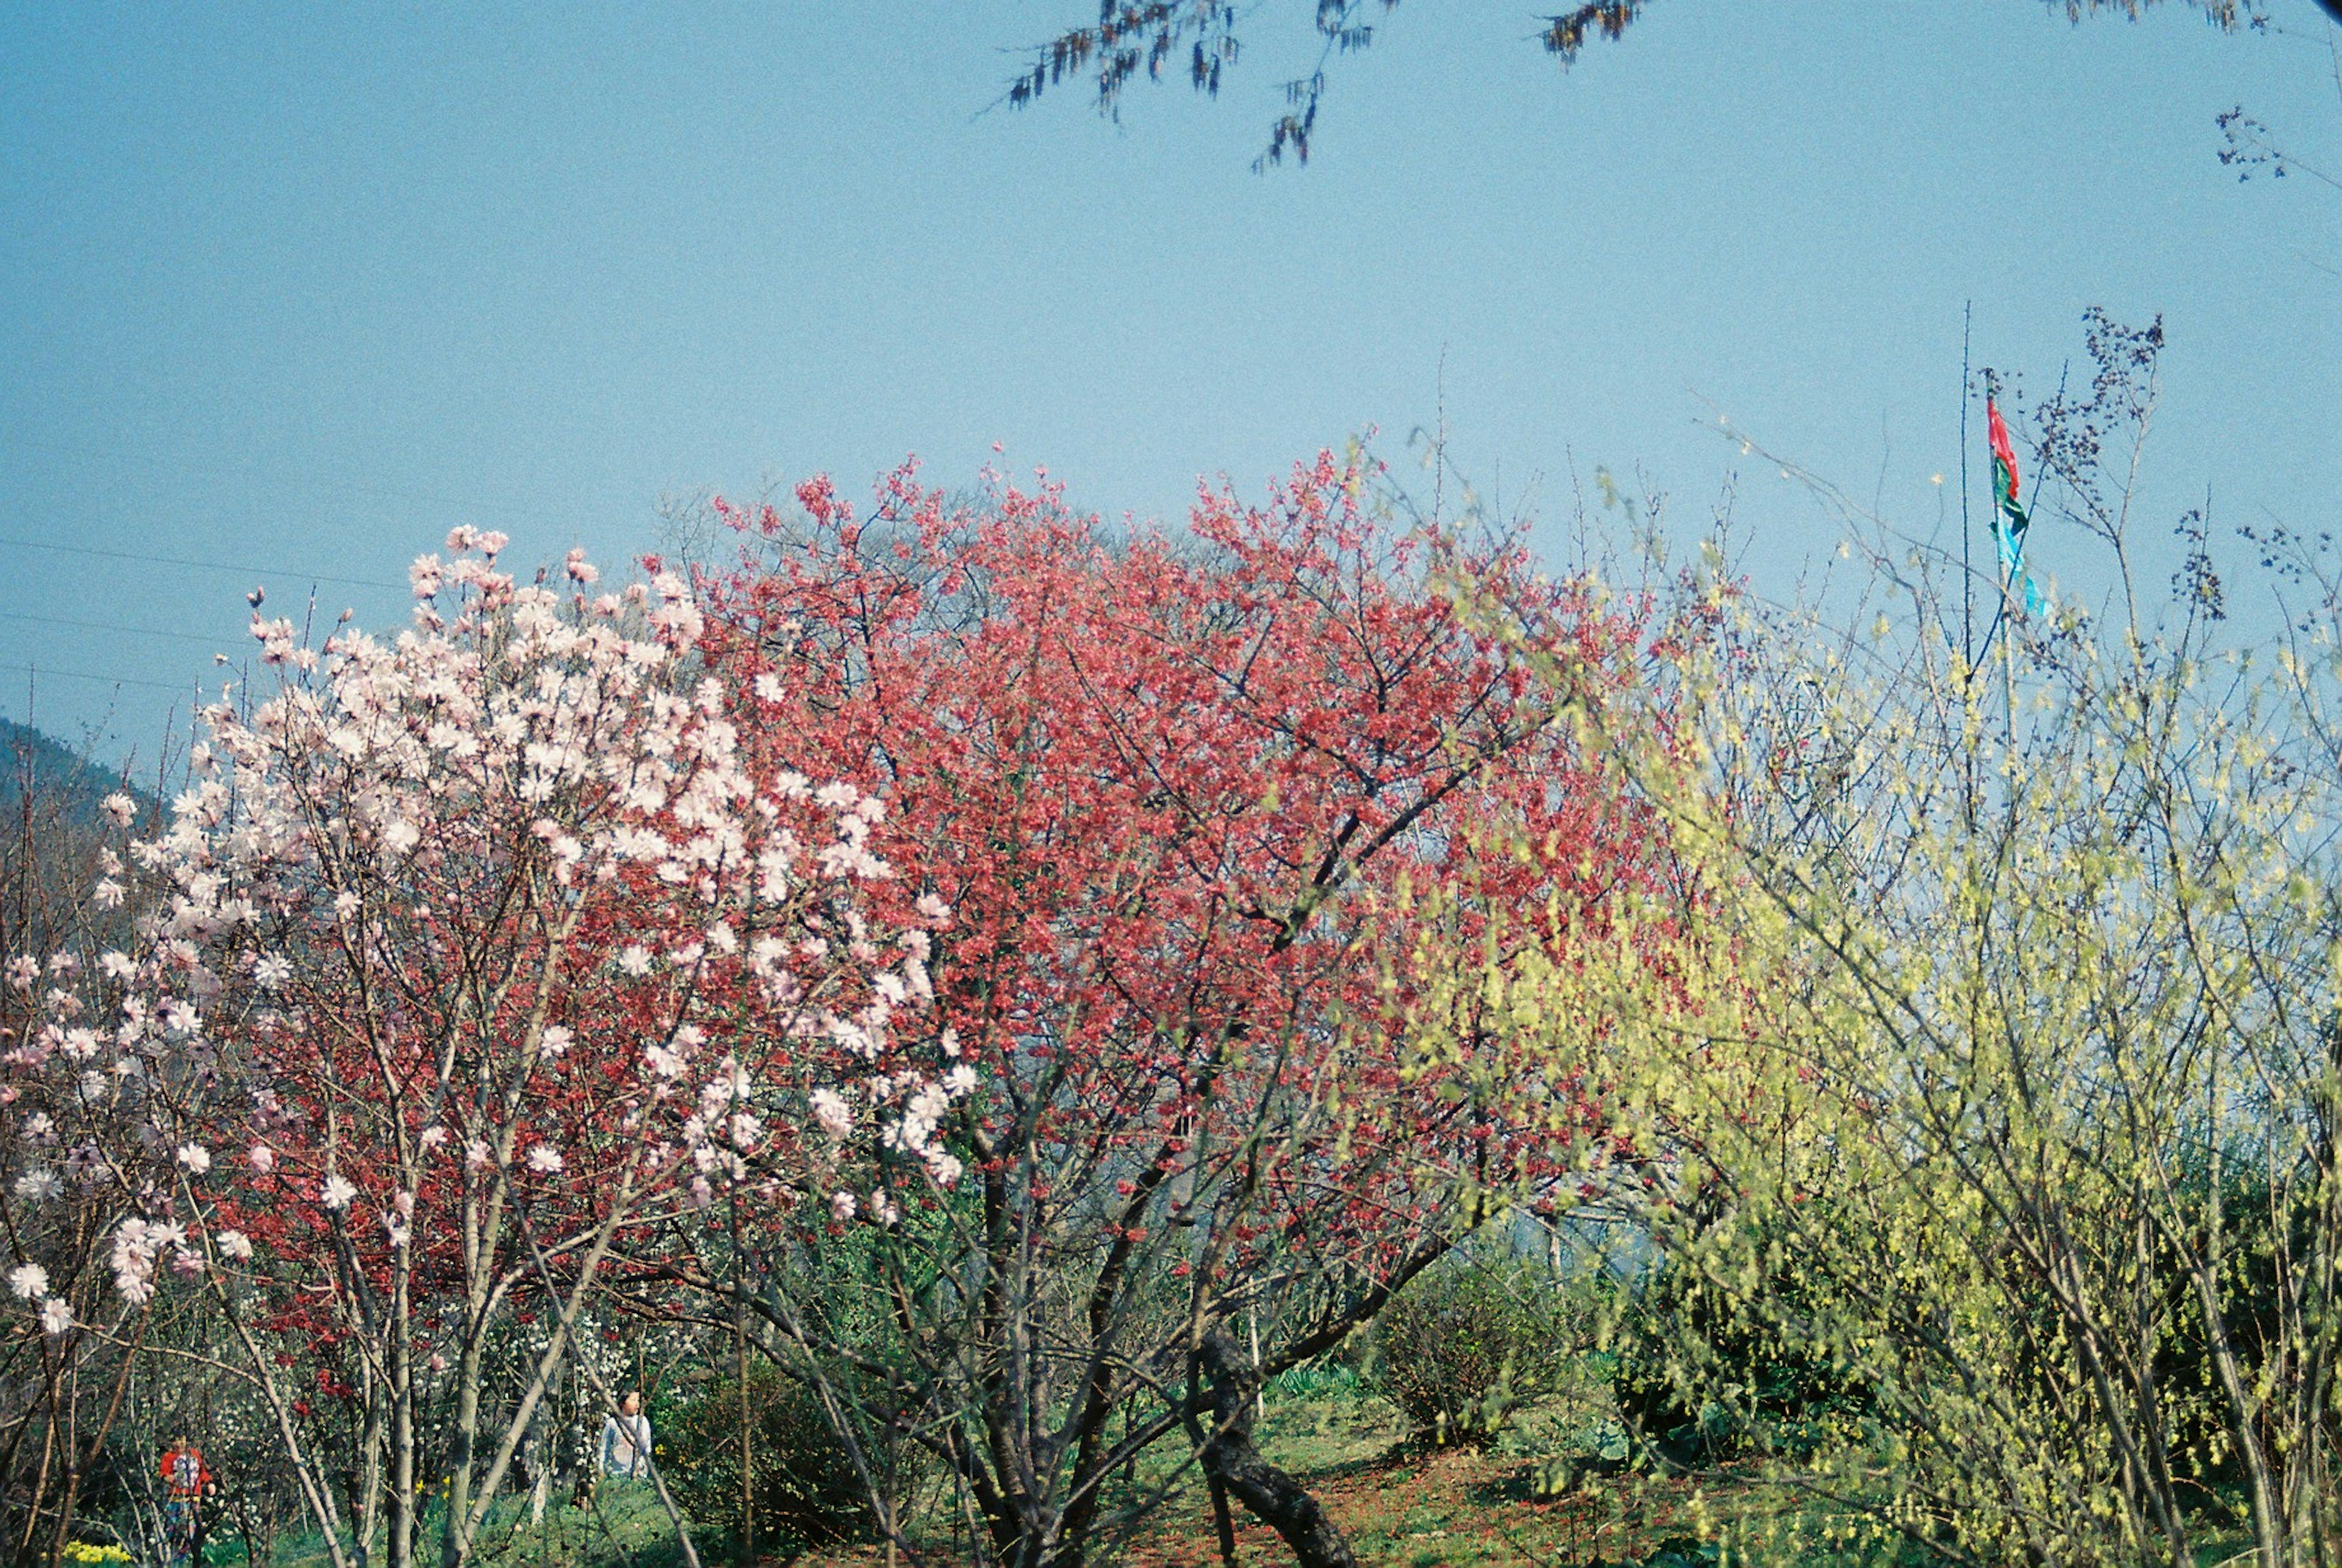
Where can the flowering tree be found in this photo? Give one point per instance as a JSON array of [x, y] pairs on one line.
[[449, 993], [64, 1370], [1172, 796]]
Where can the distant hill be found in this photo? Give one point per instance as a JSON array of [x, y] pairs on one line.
[[56, 772]]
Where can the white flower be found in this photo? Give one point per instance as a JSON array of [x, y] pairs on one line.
[[477, 1155], [262, 1158], [235, 1244], [55, 1316], [336, 1193], [108, 894], [960, 1081], [635, 960], [934, 908], [272, 971], [196, 1158], [120, 809], [28, 1280], [543, 1159], [829, 1109], [556, 1041], [842, 1207], [38, 1183]]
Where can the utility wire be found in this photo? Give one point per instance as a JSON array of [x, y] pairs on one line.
[[107, 626], [38, 670], [286, 482], [243, 570]]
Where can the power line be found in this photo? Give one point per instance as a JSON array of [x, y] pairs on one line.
[[39, 670], [280, 481], [243, 571], [107, 626]]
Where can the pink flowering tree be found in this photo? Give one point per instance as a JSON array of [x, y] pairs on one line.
[[476, 958]]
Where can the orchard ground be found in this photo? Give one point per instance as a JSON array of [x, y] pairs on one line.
[[1399, 1502]]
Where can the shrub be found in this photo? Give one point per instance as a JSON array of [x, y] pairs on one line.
[[1699, 1378], [1463, 1348], [806, 1489]]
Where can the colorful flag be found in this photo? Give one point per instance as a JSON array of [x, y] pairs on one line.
[[2009, 520]]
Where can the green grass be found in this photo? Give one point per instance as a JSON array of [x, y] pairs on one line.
[[625, 1528], [1549, 1493]]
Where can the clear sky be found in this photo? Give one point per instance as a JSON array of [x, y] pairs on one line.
[[288, 290]]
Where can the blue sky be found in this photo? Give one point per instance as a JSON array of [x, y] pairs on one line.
[[290, 289]]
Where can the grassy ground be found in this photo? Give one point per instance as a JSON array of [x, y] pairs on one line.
[[1399, 1504], [626, 1526]]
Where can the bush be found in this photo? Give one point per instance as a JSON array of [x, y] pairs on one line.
[[1463, 1348], [806, 1491], [1700, 1379]]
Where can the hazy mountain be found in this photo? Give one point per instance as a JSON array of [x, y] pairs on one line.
[[56, 774]]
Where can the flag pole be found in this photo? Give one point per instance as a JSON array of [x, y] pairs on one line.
[[1967, 618]]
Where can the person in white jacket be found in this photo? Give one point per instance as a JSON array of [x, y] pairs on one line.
[[627, 1440]]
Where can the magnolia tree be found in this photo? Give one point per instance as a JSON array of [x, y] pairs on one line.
[[1173, 792], [477, 955], [63, 1379]]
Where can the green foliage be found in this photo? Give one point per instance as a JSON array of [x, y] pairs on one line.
[[1463, 1348], [806, 1491], [1979, 1083], [1700, 1379]]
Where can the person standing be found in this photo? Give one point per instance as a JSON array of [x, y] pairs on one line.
[[627, 1440], [186, 1485]]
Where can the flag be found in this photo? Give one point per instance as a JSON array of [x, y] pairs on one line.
[[2009, 520]]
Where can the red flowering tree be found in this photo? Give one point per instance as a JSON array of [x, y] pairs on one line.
[[1175, 795]]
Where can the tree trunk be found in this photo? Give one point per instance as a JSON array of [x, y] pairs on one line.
[[1230, 1461]]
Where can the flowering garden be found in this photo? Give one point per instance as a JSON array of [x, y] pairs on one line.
[[993, 1018]]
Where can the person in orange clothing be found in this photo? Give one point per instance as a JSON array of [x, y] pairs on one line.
[[186, 1486]]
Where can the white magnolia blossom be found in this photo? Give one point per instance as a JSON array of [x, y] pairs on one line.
[[831, 1112], [37, 1184], [511, 729]]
